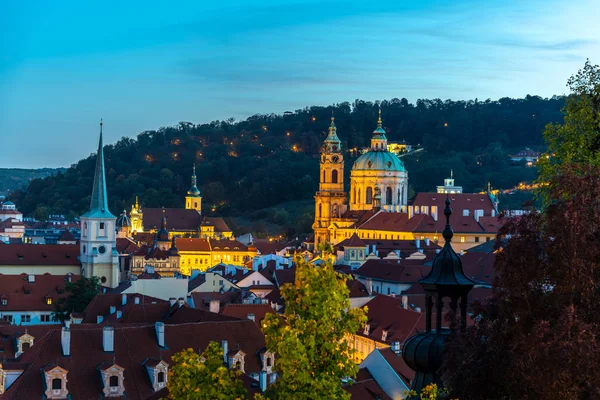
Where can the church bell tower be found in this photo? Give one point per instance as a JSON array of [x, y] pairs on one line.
[[330, 200], [98, 250], [193, 200]]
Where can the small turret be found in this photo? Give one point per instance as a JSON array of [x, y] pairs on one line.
[[193, 200], [379, 140], [162, 236]]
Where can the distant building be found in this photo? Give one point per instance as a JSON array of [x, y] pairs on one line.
[[530, 156], [449, 186], [399, 148]]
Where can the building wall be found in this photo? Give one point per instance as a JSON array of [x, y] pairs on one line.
[[360, 180], [40, 269], [163, 288], [214, 282], [28, 317], [363, 346]]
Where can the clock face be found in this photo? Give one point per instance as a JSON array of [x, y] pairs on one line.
[[335, 159]]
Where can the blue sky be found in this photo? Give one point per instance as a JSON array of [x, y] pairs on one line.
[[141, 64]]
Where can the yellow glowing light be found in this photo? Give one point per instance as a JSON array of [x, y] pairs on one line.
[[314, 119], [288, 134], [176, 141], [446, 124]]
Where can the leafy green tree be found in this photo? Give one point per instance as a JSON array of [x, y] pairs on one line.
[[79, 294], [312, 353], [204, 377], [577, 139]]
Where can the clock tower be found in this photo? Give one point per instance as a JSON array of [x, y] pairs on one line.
[[330, 200]]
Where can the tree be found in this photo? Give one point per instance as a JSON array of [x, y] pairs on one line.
[[80, 294], [312, 353], [204, 377], [577, 139], [539, 336]]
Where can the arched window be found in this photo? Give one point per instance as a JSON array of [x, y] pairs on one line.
[[113, 381], [335, 211], [56, 384], [268, 361], [161, 377], [369, 195], [399, 198], [25, 346], [354, 196], [324, 177], [334, 176], [320, 209], [388, 196]]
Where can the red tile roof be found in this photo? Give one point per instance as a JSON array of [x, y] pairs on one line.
[[151, 253], [354, 241], [21, 295], [66, 236], [392, 271], [265, 246], [133, 344], [178, 219], [192, 244], [480, 266], [460, 201], [242, 310], [227, 245], [126, 246], [218, 222], [385, 313], [202, 299], [144, 237], [100, 305], [366, 388], [39, 254]]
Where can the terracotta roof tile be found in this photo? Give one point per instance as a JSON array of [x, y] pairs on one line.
[[39, 254], [392, 271], [178, 219], [243, 310], [192, 244], [21, 295], [385, 313]]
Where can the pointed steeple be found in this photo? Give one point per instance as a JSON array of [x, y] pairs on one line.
[[332, 143], [379, 140], [194, 191], [99, 201]]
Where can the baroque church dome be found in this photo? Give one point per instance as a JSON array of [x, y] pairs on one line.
[[374, 160]]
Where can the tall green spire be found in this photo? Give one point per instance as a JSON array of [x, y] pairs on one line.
[[194, 192], [99, 202]]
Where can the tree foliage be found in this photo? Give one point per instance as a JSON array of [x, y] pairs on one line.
[[577, 139], [539, 337], [312, 353], [251, 164], [79, 294], [204, 377]]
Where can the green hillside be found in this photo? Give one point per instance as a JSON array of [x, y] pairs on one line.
[[267, 160], [15, 178]]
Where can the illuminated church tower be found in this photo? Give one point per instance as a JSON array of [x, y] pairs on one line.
[[330, 199], [193, 200], [98, 252]]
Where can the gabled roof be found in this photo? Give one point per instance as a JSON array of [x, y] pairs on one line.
[[192, 244], [39, 254], [196, 281], [265, 246], [227, 245], [133, 344], [66, 236], [217, 222], [126, 246], [366, 388], [21, 295], [179, 219], [385, 313], [243, 310], [392, 271], [354, 241]]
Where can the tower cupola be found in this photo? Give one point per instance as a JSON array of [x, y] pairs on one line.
[[379, 140], [193, 200]]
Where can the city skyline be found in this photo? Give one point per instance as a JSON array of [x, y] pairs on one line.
[[64, 67]]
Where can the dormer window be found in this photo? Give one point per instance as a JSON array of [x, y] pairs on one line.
[[4, 301], [112, 379], [49, 300], [367, 329], [24, 342], [268, 361], [236, 360], [384, 335], [158, 371], [56, 382]]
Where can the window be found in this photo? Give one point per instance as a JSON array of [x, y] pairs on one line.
[[476, 239], [388, 293], [161, 377], [487, 239], [102, 225], [25, 318], [268, 361], [4, 302], [102, 249], [369, 195], [8, 318], [462, 239], [195, 206], [56, 384], [334, 176], [320, 209], [113, 381], [45, 318], [388, 196], [25, 346], [49, 301]]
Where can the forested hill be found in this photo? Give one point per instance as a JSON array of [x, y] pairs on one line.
[[266, 160], [15, 178]]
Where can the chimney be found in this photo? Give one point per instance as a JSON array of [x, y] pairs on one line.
[[113, 310], [396, 347], [215, 306], [65, 341], [262, 381], [108, 339], [123, 299], [418, 243], [181, 302], [172, 301], [427, 242], [160, 333], [99, 319], [68, 323], [119, 314], [225, 351], [405, 302], [136, 300], [251, 317]]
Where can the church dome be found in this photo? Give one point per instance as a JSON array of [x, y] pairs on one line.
[[378, 161], [123, 221]]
